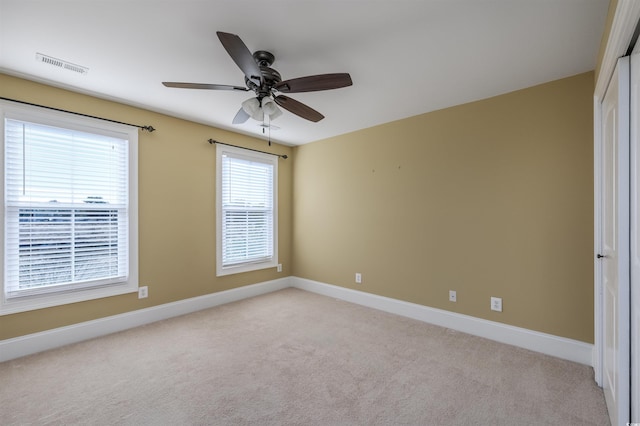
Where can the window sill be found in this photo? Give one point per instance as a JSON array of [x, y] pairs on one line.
[[245, 267], [30, 303]]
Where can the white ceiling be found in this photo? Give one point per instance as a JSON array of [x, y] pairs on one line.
[[406, 57]]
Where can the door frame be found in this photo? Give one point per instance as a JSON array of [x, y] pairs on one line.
[[634, 202], [625, 20]]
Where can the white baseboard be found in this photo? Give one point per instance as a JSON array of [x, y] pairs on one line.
[[559, 347], [38, 342]]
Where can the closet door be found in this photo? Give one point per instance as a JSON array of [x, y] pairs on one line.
[[615, 238]]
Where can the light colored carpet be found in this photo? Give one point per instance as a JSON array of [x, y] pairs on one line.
[[296, 358]]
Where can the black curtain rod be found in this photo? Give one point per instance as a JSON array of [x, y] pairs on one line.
[[147, 128], [283, 156]]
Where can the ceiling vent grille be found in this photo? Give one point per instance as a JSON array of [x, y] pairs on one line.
[[61, 64]]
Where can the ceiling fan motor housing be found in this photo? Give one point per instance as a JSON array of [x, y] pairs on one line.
[[270, 77]]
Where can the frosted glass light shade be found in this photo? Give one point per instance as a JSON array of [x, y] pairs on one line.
[[270, 108], [275, 114], [251, 106]]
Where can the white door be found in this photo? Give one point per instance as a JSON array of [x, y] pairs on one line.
[[614, 253], [634, 146]]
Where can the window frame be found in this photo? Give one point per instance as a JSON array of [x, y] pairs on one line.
[[245, 154], [91, 125]]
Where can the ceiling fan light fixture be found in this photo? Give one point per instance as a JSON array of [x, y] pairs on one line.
[[269, 108]]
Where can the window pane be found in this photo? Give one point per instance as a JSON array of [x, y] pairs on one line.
[[247, 185], [66, 201]]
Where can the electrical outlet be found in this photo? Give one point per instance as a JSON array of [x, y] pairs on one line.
[[496, 304], [358, 278], [279, 267], [452, 296], [143, 292]]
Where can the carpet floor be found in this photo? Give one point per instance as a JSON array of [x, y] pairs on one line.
[[296, 358]]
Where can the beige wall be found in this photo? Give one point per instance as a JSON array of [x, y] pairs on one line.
[[491, 198], [177, 210]]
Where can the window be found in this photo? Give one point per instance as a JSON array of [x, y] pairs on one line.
[[246, 219], [70, 209]]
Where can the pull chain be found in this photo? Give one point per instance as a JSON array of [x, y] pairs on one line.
[[268, 125], [269, 130]]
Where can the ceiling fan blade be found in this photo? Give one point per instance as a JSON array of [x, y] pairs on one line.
[[298, 108], [314, 83], [241, 55], [241, 117], [203, 86]]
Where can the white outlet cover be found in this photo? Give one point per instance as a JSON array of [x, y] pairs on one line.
[[452, 296], [143, 292], [496, 304]]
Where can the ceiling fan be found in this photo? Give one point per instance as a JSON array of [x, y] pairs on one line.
[[266, 83]]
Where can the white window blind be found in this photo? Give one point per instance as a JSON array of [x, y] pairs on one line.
[[246, 213], [66, 209]]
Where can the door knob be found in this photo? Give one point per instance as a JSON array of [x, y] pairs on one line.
[[600, 256]]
